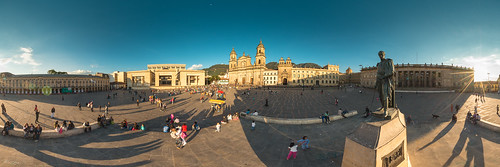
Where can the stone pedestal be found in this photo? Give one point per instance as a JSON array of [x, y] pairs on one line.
[[391, 113], [379, 142]]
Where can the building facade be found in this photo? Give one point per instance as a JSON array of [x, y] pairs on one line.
[[119, 80], [243, 72], [411, 76], [53, 83], [271, 77], [165, 76], [486, 86], [349, 77]]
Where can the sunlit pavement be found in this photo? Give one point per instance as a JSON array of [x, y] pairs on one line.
[[432, 142]]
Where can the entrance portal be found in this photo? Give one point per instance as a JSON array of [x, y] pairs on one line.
[[285, 81], [317, 82]]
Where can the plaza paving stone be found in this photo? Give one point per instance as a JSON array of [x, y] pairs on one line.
[[431, 142]]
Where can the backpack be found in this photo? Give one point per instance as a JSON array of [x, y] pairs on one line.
[[166, 129]]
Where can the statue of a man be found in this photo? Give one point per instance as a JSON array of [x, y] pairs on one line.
[[385, 82]]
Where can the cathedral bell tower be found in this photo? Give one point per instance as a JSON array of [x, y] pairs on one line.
[[260, 58], [232, 60]]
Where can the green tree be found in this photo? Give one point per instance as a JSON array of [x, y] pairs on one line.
[[52, 71]]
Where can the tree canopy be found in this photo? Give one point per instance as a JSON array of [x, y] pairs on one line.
[[52, 71]]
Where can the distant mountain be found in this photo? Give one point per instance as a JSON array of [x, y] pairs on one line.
[[272, 65], [307, 65], [217, 69]]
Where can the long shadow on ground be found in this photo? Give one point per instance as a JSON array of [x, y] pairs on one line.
[[74, 148]]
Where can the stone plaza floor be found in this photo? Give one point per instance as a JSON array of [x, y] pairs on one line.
[[431, 142]]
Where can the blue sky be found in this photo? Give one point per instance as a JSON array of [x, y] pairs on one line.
[[106, 36]]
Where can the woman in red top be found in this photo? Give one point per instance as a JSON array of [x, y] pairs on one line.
[[184, 128]]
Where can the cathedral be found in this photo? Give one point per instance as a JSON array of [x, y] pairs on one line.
[[243, 72]]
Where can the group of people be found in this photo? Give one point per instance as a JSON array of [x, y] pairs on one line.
[[230, 117], [60, 128], [255, 113], [135, 126], [103, 121], [178, 132], [293, 148], [33, 130], [7, 126], [473, 118]]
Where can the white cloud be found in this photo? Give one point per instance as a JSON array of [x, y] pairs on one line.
[[80, 72], [196, 67], [25, 58], [4, 61], [482, 66], [94, 65]]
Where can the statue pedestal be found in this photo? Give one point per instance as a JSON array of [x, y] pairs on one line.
[[391, 113], [378, 143]]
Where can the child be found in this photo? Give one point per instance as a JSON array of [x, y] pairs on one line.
[[293, 151], [217, 127], [195, 126], [253, 125], [304, 142]]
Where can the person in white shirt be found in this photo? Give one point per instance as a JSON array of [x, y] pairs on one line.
[[217, 127], [293, 151], [253, 125]]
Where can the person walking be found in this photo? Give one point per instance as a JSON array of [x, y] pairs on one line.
[[253, 125], [52, 112], [304, 142], [5, 110], [217, 127], [498, 108], [183, 139], [106, 109], [293, 151], [79, 106], [137, 102], [37, 113]]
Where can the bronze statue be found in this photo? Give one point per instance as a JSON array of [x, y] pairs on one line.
[[385, 84]]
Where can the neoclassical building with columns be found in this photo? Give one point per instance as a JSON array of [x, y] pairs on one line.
[[52, 83], [435, 76], [165, 76], [243, 72]]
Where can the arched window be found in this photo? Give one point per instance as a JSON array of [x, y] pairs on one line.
[[259, 61]]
